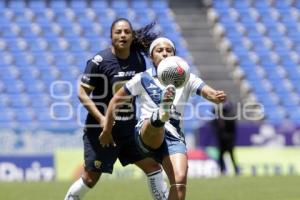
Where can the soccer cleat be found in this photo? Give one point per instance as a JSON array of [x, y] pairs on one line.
[[167, 98]]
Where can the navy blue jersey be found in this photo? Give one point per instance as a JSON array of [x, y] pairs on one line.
[[105, 74]]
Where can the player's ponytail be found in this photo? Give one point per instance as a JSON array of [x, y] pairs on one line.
[[143, 37]]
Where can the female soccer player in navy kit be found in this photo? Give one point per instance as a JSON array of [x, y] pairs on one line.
[[159, 131], [105, 73]]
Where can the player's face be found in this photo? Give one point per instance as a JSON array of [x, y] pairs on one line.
[[161, 51], [122, 36]]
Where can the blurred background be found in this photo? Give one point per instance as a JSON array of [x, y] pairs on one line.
[[248, 48]]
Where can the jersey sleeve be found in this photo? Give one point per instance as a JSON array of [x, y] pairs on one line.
[[91, 74], [133, 86], [196, 84]]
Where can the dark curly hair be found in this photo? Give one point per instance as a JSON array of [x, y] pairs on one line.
[[142, 38]]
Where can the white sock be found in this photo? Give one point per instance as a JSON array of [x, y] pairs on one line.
[[157, 185], [77, 190]]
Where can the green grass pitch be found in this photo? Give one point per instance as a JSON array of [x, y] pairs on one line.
[[224, 188]]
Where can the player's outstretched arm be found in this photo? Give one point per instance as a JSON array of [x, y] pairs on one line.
[[215, 96], [118, 99]]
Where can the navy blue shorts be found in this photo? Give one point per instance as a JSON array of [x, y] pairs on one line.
[[99, 159], [170, 145]]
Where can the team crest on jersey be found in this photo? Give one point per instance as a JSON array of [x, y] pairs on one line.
[[97, 59], [97, 164]]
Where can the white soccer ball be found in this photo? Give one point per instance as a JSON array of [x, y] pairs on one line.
[[173, 70]]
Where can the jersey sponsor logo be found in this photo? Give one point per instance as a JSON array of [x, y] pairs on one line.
[[125, 74], [124, 118], [97, 59]]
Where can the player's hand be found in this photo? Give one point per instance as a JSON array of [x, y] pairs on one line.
[[106, 139], [220, 96]]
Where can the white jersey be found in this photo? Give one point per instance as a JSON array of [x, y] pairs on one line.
[[149, 89]]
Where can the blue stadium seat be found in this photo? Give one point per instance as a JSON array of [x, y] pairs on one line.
[[35, 87], [19, 101], [16, 88], [4, 23], [159, 6], [4, 100], [241, 5], [55, 47], [261, 5], [267, 99], [280, 88], [288, 102], [139, 5], [42, 20], [221, 5], [281, 5], [8, 34], [269, 21], [37, 6], [28, 74], [294, 115], [78, 5], [35, 46], [17, 6], [39, 101], [7, 117], [293, 34], [99, 5], [22, 22], [274, 75], [275, 115], [118, 5], [43, 115], [267, 63], [58, 5], [2, 5], [297, 4]]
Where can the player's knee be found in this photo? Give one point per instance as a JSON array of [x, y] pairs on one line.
[[153, 166], [180, 177], [149, 166], [90, 180]]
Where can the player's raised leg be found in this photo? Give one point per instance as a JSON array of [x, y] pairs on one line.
[[152, 131]]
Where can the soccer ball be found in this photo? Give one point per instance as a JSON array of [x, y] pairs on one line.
[[173, 70]]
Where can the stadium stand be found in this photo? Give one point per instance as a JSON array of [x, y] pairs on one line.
[[45, 44], [259, 39]]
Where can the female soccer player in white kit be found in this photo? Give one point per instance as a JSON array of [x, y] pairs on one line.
[[159, 130]]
